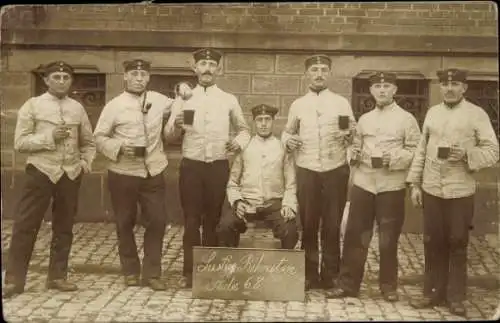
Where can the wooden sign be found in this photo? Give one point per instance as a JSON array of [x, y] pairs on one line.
[[247, 273]]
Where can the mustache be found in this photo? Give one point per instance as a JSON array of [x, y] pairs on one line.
[[207, 73], [319, 79]]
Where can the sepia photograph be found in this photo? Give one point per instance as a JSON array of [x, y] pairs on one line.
[[250, 161]]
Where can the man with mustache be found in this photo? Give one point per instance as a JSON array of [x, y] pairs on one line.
[[458, 140], [129, 135], [205, 121], [318, 130], [55, 131], [383, 147], [261, 186]]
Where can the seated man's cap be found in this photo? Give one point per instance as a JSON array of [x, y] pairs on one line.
[[383, 77], [264, 109], [207, 53], [317, 59], [137, 64], [57, 66], [452, 74]]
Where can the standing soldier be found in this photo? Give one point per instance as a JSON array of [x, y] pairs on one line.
[[262, 185], [56, 133], [457, 140], [383, 148], [205, 121], [319, 129], [129, 135]]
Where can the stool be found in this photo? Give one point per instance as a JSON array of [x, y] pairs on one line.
[[248, 240]]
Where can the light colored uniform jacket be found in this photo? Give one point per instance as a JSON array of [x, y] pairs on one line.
[[466, 125], [36, 120], [122, 122], [263, 172]]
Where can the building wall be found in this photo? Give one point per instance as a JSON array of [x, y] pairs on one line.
[[264, 46], [450, 18]]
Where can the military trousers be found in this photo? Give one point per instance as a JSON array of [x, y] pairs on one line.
[[202, 188], [388, 210], [231, 226], [127, 192], [446, 237], [322, 197], [35, 197]]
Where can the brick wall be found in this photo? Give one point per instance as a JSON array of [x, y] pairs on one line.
[[451, 18]]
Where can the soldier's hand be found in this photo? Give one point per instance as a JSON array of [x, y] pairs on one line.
[[127, 151], [456, 153], [416, 196], [241, 209], [355, 157], [179, 120], [185, 92], [348, 138], [60, 132], [85, 167], [386, 159], [294, 143], [287, 213], [233, 146]]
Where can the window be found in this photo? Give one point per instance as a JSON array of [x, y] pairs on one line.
[[412, 94], [88, 89], [485, 95]]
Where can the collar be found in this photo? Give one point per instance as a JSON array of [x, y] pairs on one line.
[[133, 95], [209, 89], [264, 140], [454, 105], [388, 107], [51, 96], [318, 93]]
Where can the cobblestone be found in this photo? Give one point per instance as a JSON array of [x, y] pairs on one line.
[[102, 297]]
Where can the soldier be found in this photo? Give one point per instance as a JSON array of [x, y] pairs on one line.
[[205, 121], [55, 131], [261, 185], [457, 140], [129, 135], [383, 147], [319, 129]]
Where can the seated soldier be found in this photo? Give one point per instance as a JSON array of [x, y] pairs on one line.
[[261, 186]]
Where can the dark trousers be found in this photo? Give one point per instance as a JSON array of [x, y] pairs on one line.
[[126, 192], [446, 236], [388, 210], [35, 198], [202, 188], [322, 196], [231, 226]]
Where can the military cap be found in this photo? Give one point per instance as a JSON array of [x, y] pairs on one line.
[[317, 59], [383, 77], [57, 66], [264, 109], [137, 64], [207, 53], [452, 74]]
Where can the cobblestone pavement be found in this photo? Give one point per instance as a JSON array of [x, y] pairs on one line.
[[102, 296]]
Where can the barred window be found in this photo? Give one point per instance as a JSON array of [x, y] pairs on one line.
[[88, 89], [485, 95], [412, 94]]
